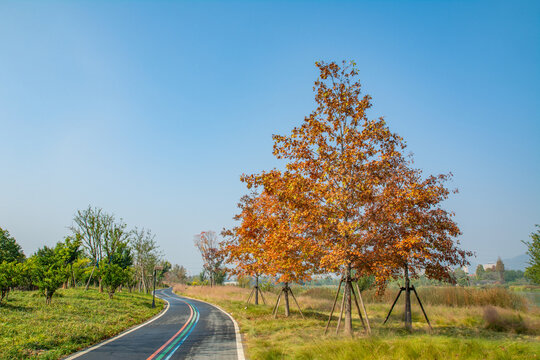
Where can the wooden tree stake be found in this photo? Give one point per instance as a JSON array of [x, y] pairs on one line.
[[277, 305], [363, 307], [358, 308], [294, 298], [333, 306], [262, 297], [341, 312], [419, 303], [392, 307], [421, 307]]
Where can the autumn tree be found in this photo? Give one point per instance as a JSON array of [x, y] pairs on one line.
[[208, 244], [242, 247], [343, 187], [337, 161], [267, 241], [413, 233]]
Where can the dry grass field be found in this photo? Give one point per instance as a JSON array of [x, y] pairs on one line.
[[468, 323]]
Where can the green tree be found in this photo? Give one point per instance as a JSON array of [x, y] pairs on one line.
[[480, 272], [365, 282], [11, 274], [116, 271], [9, 249], [220, 274], [461, 277], [532, 272], [513, 275], [48, 271], [113, 276], [69, 252]]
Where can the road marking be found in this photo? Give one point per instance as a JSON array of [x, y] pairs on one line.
[[185, 337], [180, 336], [80, 353], [239, 347], [174, 336]]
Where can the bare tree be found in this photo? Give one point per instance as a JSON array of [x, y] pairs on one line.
[[116, 235], [146, 256], [208, 244], [89, 226], [178, 274]]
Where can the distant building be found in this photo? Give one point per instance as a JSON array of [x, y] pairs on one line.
[[489, 266], [230, 282]]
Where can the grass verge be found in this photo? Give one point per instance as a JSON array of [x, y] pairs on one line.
[[75, 319], [459, 332]]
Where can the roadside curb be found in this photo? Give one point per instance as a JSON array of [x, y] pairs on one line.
[[123, 333], [239, 343]]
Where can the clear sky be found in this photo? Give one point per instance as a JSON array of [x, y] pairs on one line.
[[152, 110]]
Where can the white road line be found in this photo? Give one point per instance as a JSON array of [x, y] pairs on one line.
[[239, 346], [80, 353]]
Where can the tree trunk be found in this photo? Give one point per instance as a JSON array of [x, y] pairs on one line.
[[286, 295], [408, 317], [90, 278], [256, 290], [348, 304], [73, 283], [143, 279], [100, 284]]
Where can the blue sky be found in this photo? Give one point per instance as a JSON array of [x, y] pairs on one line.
[[152, 110]]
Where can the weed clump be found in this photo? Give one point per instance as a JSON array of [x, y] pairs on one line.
[[505, 321]]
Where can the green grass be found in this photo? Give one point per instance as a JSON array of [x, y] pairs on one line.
[[459, 332], [30, 329]]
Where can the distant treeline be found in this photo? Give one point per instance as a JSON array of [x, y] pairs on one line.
[[100, 251]]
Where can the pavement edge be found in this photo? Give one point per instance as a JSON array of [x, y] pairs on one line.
[[123, 333], [239, 345]]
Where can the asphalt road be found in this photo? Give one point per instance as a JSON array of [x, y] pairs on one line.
[[188, 329]]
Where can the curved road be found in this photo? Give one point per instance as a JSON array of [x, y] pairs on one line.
[[188, 329]]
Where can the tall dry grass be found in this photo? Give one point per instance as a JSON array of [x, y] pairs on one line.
[[321, 297], [451, 296], [455, 296]]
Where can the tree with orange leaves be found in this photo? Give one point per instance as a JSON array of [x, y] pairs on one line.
[[350, 190], [415, 233], [337, 162], [242, 247], [267, 241]]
